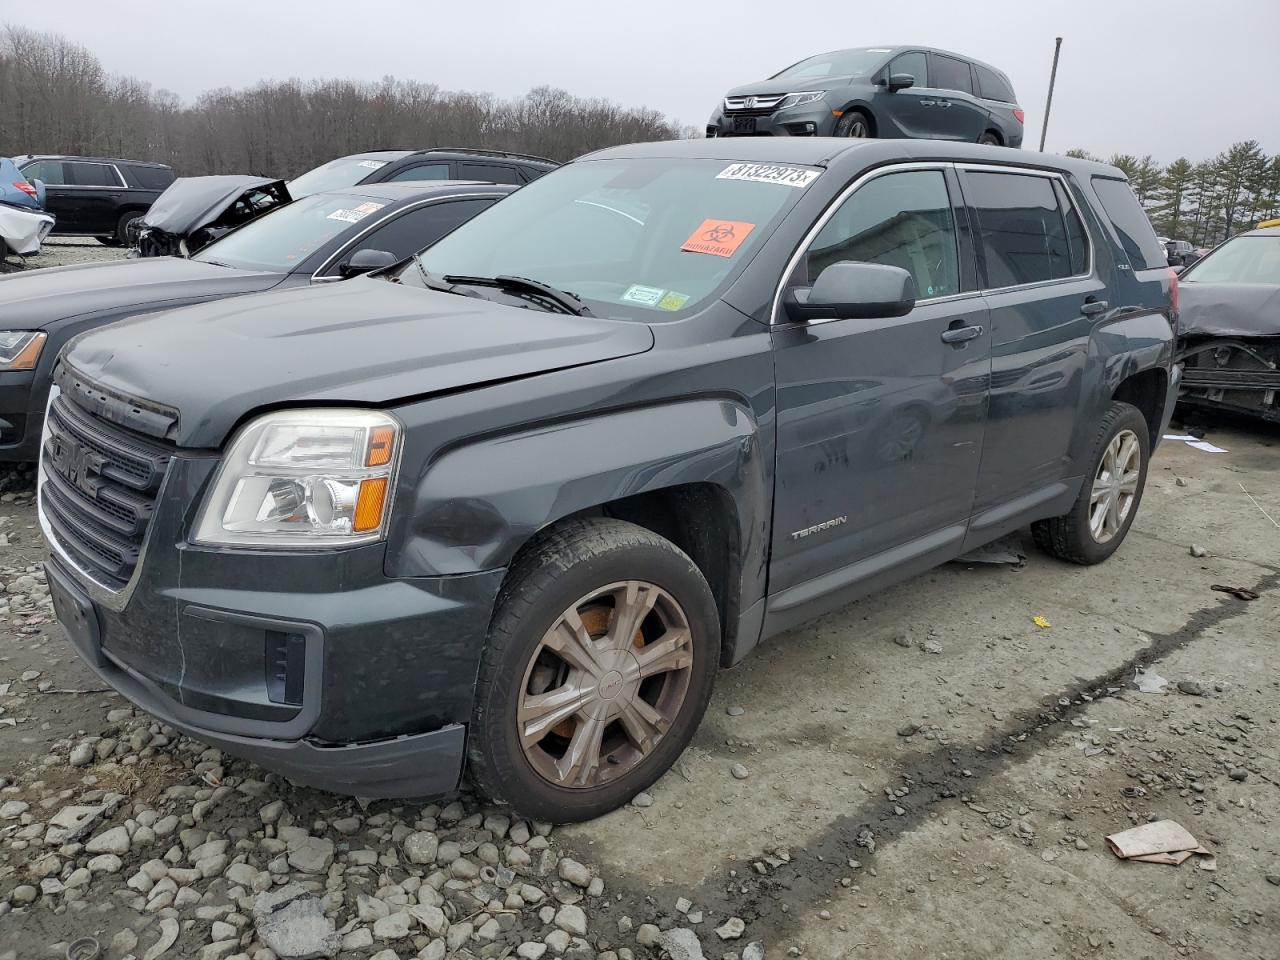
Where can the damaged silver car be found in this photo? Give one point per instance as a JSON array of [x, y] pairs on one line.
[[1229, 326], [195, 211]]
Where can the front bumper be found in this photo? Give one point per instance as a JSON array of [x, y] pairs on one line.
[[810, 120], [315, 665]]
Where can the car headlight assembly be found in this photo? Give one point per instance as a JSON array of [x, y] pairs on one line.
[[304, 479], [20, 349], [799, 99]]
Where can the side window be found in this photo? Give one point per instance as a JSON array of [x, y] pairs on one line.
[[1077, 240], [912, 63], [416, 230], [50, 171], [948, 73], [1131, 223], [424, 171], [488, 172], [1021, 228], [991, 86], [900, 219], [91, 174], [148, 178]]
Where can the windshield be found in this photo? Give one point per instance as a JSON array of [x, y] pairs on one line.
[[1242, 260], [632, 238], [336, 174], [842, 63], [281, 240]]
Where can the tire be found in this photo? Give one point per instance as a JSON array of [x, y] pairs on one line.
[[122, 227], [991, 139], [565, 570], [855, 124], [1075, 536]]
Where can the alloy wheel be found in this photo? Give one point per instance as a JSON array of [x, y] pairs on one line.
[[1115, 486], [605, 685]]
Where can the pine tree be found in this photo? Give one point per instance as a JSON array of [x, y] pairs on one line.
[[1175, 186]]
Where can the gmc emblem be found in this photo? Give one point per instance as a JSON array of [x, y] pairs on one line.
[[81, 465]]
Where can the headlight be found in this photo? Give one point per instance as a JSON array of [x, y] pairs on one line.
[[304, 478], [20, 349], [798, 99]]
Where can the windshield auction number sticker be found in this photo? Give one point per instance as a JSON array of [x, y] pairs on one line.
[[719, 238], [769, 173]]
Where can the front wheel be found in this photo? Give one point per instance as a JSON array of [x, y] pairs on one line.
[[1103, 512], [854, 124], [598, 668]]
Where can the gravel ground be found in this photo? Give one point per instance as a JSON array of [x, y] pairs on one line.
[[926, 774], [60, 251]]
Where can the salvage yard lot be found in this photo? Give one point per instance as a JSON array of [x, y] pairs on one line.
[[928, 774]]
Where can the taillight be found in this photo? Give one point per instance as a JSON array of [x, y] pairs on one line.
[[1173, 291], [1019, 114], [26, 188]]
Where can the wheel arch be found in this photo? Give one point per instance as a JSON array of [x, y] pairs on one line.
[[693, 472], [1147, 390], [861, 106]]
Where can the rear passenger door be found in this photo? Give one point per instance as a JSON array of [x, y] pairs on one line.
[[94, 192], [1045, 294], [957, 114]]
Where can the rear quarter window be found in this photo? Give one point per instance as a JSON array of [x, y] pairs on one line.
[[1137, 236], [992, 86], [148, 178]]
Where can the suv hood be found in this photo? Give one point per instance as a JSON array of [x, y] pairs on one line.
[[1228, 309], [772, 88], [37, 298], [367, 341]]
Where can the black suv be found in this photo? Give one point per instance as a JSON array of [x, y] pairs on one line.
[[513, 504], [96, 196], [438, 163], [885, 92]]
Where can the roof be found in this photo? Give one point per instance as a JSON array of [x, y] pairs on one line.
[[894, 48], [830, 151], [412, 189], [67, 156]]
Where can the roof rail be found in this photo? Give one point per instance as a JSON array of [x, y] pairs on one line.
[[494, 153]]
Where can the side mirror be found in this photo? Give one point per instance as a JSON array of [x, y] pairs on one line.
[[854, 291], [366, 261], [900, 81]]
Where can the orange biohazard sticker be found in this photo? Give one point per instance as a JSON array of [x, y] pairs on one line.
[[720, 238]]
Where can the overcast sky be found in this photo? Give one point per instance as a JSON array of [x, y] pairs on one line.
[[1166, 77]]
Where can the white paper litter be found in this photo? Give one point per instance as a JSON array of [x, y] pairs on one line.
[[1206, 446]]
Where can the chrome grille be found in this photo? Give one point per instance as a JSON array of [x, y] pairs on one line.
[[98, 490], [758, 106]]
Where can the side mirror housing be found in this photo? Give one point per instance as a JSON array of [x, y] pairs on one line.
[[900, 81], [365, 261], [854, 291]]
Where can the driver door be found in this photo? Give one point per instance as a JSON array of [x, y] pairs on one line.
[[880, 422]]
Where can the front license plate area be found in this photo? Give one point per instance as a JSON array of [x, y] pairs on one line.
[[76, 614], [744, 124]]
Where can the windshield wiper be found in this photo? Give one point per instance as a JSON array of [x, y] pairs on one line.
[[566, 301], [431, 281]]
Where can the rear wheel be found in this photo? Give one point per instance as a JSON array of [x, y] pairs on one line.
[[991, 138], [599, 666], [1103, 512], [855, 124], [124, 227]]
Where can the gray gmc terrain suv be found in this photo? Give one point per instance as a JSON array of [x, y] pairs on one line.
[[509, 507], [885, 92]]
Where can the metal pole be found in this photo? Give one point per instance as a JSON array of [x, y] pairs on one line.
[[1053, 75]]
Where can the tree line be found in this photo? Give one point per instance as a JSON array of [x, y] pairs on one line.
[[1204, 202], [55, 97]]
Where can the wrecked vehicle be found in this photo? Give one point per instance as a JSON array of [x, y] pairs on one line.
[[1229, 327], [509, 508], [438, 163], [16, 190], [195, 211], [22, 230], [325, 238]]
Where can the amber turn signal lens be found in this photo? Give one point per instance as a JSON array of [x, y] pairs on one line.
[[382, 441], [26, 360], [373, 494]]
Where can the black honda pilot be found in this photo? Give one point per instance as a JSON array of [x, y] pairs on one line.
[[509, 508]]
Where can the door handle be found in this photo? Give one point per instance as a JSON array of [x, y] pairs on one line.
[[1091, 307], [960, 334], [944, 103], [928, 103]]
